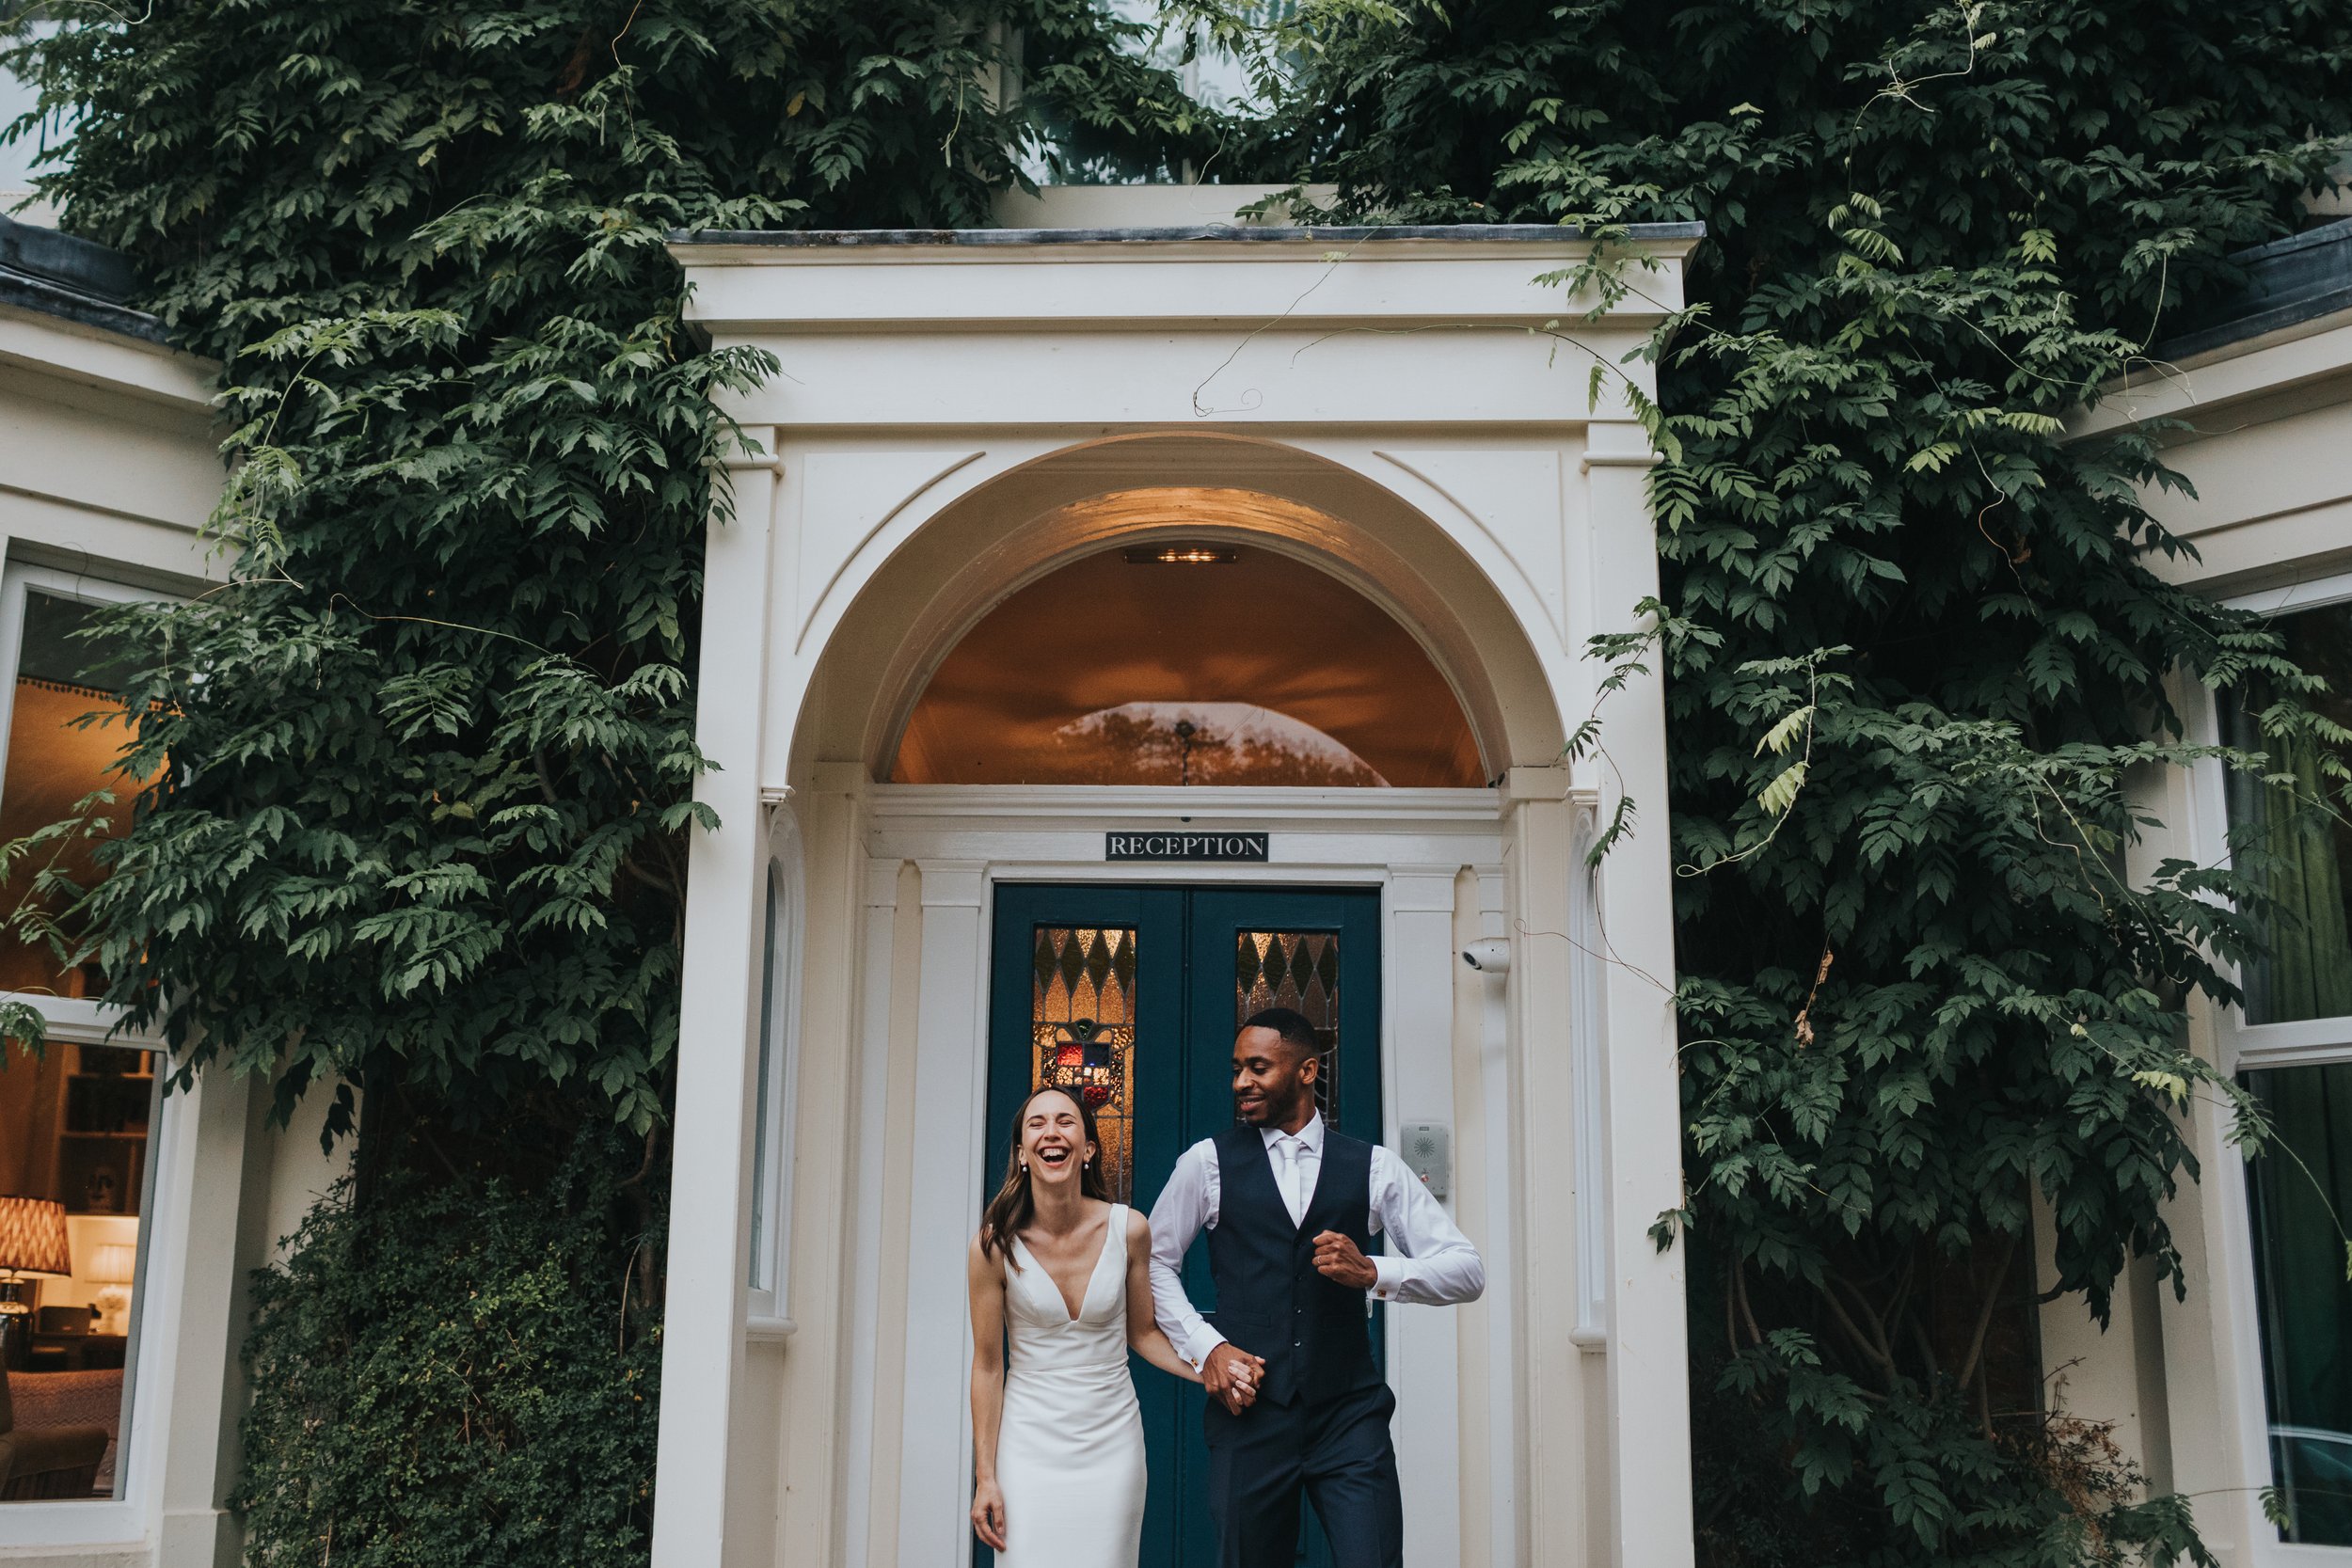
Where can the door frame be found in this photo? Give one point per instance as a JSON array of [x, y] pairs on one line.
[[1184, 932], [1436, 859]]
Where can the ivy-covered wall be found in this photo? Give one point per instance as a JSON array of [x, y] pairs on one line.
[[433, 752], [1915, 656]]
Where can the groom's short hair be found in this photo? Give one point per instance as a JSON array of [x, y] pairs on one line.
[[1295, 1031]]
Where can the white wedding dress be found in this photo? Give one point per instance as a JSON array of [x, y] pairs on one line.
[[1069, 1449]]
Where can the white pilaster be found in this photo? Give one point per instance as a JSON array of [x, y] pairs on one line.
[[1648, 1369], [1424, 1341], [950, 1092], [711, 1159]]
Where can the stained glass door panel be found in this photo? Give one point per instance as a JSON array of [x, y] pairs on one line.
[[1298, 970], [1082, 1020], [1131, 996]]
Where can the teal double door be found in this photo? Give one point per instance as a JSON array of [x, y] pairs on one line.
[[1130, 997]]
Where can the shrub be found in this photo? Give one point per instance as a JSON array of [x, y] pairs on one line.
[[456, 1372]]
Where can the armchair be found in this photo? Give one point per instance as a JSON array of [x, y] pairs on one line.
[[59, 1460]]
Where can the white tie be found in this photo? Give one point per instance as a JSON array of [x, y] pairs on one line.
[[1291, 1197]]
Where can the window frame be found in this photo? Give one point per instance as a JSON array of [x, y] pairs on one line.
[[147, 1358], [2241, 1047]]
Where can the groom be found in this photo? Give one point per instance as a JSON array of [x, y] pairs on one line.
[[1291, 1208]]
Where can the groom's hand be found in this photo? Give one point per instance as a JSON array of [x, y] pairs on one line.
[[1232, 1376], [1340, 1261]]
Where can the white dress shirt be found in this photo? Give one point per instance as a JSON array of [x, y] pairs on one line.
[[1438, 1265]]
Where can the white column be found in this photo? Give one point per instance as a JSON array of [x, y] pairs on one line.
[[1561, 1499], [877, 983], [1648, 1369], [950, 1092], [1488, 1013], [711, 1159], [1422, 1340], [209, 1201]]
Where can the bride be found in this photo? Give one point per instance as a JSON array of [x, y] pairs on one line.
[[1059, 1274]]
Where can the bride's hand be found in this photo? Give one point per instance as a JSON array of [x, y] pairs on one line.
[[988, 1515]]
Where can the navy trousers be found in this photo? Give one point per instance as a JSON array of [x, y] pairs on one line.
[[1337, 1451]]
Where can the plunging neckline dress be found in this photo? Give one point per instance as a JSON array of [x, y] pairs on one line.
[[1070, 1448]]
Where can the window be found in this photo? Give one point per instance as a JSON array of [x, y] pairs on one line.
[[64, 737], [1189, 664], [774, 1096], [77, 1124], [2295, 1053]]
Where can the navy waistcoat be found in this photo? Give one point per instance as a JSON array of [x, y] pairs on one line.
[[1270, 1300]]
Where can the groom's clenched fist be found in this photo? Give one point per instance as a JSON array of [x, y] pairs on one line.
[[1232, 1376], [1340, 1261]]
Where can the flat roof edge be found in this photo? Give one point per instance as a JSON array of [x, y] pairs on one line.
[[2260, 323], [47, 298], [814, 239]]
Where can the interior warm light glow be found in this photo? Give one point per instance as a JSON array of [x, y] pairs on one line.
[[58, 755], [1264, 672]]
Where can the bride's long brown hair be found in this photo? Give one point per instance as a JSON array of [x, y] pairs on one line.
[[1009, 1211]]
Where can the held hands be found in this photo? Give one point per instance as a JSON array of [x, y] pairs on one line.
[[1232, 1376], [988, 1514], [1339, 1261]]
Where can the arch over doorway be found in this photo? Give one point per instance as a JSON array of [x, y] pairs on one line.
[[1188, 661], [936, 575]]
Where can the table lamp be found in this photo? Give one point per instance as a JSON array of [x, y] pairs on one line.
[[113, 1265], [33, 1246]]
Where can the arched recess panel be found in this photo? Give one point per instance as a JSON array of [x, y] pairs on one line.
[[1188, 663]]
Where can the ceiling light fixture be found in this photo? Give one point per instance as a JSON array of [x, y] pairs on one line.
[[1181, 555]]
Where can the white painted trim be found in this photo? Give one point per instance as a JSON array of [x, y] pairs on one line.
[[108, 361], [1588, 1039], [2233, 373], [2318, 593], [2309, 1043]]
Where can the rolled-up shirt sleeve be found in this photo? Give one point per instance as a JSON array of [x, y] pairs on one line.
[[1187, 1205], [1430, 1263]]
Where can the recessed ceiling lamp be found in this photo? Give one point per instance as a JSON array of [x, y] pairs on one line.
[[1181, 555]]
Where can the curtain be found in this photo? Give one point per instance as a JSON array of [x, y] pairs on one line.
[[2306, 1300], [2296, 853]]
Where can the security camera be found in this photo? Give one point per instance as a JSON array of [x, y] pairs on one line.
[[1490, 956]]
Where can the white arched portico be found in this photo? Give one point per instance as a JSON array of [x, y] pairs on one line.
[[956, 415]]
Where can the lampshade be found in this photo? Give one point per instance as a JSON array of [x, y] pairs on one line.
[[33, 1239], [113, 1263]]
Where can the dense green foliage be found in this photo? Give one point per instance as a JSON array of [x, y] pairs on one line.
[[1915, 656], [432, 755], [434, 751], [445, 1375]]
